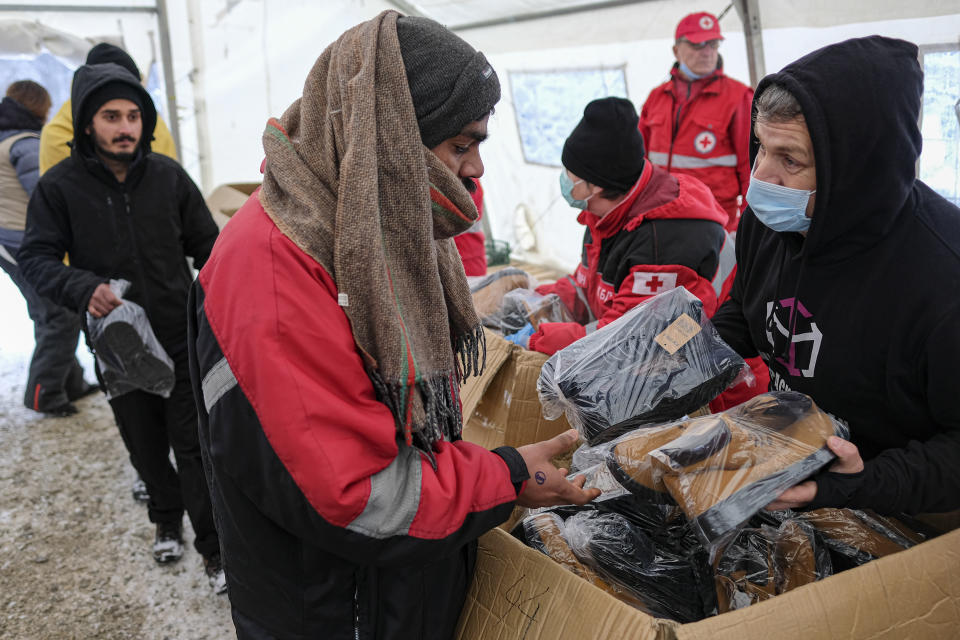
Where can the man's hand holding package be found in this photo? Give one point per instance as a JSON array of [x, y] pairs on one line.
[[103, 301], [848, 461], [548, 485]]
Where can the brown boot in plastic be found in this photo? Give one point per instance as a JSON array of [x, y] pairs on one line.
[[724, 470], [861, 536], [544, 532], [630, 463]]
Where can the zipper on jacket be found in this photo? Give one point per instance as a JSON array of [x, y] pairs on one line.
[[676, 129], [356, 610], [136, 251]]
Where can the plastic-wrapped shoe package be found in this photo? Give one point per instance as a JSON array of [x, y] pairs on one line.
[[723, 468], [128, 354], [545, 533], [668, 585], [488, 292], [760, 563], [658, 362], [858, 536], [523, 306]]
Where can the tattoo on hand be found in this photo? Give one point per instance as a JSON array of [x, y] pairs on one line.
[[540, 476]]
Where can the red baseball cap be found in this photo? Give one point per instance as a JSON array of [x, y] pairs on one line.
[[699, 27]]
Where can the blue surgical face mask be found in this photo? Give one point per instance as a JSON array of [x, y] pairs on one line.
[[780, 208], [690, 74], [566, 188]]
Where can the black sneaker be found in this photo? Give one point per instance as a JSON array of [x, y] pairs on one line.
[[139, 491], [168, 543], [213, 567], [63, 411], [86, 390]]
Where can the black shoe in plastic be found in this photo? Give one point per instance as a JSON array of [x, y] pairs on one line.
[[63, 411], [141, 368], [168, 543], [139, 491], [213, 567]]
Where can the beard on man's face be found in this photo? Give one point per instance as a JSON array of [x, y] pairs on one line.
[[118, 156], [469, 184]]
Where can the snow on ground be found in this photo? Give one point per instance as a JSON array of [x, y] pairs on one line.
[[75, 556]]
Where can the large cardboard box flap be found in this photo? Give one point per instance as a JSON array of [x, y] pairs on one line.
[[506, 407], [911, 594], [520, 594], [473, 388]]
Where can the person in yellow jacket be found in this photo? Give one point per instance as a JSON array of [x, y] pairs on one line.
[[59, 131]]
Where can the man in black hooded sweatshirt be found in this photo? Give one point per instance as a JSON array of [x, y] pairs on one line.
[[849, 268], [121, 211]]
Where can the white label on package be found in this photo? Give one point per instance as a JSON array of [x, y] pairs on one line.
[[678, 333]]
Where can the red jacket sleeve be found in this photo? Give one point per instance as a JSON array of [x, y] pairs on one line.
[[642, 283], [572, 295], [740, 134]]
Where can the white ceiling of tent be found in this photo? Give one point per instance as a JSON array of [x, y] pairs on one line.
[[775, 13], [455, 13]]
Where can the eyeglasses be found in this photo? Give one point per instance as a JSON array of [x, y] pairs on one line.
[[713, 44]]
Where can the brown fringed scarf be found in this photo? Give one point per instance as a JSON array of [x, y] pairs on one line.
[[349, 181]]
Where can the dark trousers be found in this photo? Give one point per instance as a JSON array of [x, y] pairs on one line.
[[55, 376], [150, 426]]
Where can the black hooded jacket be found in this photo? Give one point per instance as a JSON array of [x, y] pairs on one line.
[[864, 313], [141, 230]]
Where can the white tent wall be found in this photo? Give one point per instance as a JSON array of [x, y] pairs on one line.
[[257, 57]]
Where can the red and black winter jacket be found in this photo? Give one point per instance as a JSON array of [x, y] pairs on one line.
[[702, 129], [330, 526], [667, 233]]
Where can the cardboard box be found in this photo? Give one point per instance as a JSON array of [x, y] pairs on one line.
[[502, 404], [520, 594], [225, 200]]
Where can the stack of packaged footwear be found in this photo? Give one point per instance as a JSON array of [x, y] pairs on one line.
[[680, 531], [660, 361], [506, 301]]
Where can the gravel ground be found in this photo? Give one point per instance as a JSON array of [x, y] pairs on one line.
[[75, 556]]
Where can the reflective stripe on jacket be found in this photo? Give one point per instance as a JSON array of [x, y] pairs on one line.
[[702, 128]]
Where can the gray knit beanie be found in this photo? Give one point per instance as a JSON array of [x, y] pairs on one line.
[[451, 83]]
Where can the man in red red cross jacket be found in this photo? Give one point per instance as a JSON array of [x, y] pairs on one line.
[[698, 122]]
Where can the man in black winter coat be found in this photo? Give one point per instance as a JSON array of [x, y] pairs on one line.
[[848, 270], [122, 212]]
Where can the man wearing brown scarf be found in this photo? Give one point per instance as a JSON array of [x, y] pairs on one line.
[[329, 332]]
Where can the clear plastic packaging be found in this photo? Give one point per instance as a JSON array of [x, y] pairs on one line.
[[760, 563], [488, 292], [522, 306], [545, 533], [660, 361], [668, 585], [723, 468], [860, 535], [128, 354]]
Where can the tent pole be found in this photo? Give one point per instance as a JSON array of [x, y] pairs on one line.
[[198, 78], [749, 12], [168, 80]]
